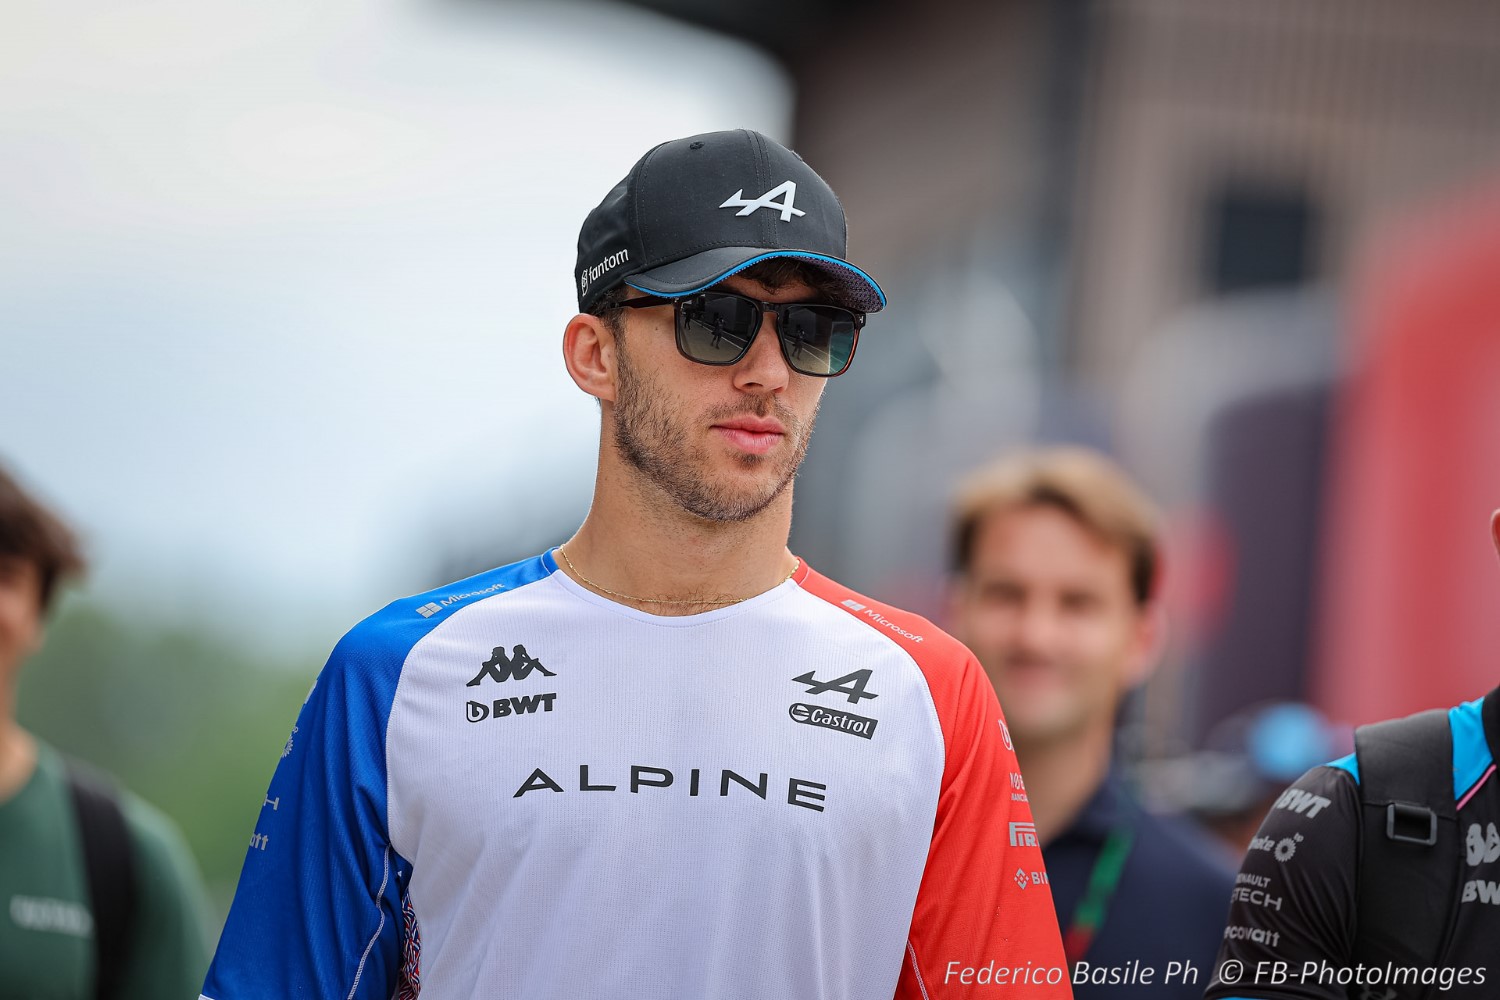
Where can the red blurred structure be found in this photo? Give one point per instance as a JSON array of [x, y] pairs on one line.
[[1410, 613]]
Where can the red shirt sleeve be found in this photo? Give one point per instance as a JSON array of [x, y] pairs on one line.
[[984, 923]]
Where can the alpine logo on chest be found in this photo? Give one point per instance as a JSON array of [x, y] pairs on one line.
[[852, 686]]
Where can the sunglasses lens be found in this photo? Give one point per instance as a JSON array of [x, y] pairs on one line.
[[717, 329], [819, 340]]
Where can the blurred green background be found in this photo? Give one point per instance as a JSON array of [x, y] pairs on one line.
[[189, 719]]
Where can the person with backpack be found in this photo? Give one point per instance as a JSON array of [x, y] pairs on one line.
[[1377, 876], [99, 897]]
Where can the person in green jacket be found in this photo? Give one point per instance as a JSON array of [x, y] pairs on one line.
[[99, 895]]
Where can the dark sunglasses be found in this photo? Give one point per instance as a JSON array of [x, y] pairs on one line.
[[717, 328]]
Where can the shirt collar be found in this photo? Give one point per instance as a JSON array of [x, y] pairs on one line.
[[1103, 811]]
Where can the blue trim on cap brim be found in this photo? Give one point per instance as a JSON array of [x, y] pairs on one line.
[[805, 254]]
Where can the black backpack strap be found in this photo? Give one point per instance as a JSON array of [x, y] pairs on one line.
[[109, 864], [1410, 857]]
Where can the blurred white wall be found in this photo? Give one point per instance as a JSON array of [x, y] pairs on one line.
[[282, 284]]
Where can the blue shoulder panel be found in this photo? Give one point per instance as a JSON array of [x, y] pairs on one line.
[[318, 907], [1471, 751], [1349, 763]]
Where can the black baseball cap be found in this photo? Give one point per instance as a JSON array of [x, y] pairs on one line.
[[694, 211]]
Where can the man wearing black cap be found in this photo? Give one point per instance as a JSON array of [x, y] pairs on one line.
[[666, 759]]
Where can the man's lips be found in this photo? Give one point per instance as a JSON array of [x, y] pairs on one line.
[[756, 435]]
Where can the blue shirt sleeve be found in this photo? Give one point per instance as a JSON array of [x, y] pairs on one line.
[[318, 909]]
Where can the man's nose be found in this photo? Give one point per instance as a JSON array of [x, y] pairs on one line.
[[763, 366], [1038, 627]]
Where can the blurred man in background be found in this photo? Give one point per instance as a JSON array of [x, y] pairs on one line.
[[1056, 563], [1377, 875], [99, 897]]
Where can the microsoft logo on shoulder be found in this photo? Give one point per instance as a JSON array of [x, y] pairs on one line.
[[429, 609]]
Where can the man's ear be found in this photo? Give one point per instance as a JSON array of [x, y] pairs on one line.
[[1147, 644], [589, 351], [1495, 530]]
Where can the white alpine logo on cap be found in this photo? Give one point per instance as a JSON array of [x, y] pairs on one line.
[[786, 190]]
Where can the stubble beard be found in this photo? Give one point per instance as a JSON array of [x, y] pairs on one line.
[[660, 450]]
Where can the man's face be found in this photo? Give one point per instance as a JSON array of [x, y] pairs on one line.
[[721, 442], [20, 614], [1048, 609]]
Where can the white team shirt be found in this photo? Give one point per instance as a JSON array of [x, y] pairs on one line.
[[513, 787]]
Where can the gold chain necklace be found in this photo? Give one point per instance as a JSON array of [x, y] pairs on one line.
[[796, 565]]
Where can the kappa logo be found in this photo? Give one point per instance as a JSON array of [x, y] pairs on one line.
[[851, 685], [1023, 835], [1482, 846], [786, 190], [501, 668]]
